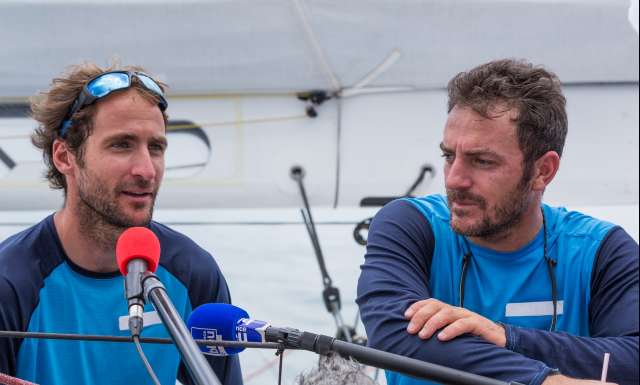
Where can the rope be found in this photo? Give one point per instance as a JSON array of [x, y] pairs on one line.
[[178, 127]]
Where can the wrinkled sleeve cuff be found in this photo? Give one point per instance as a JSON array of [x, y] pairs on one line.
[[537, 380], [511, 335], [513, 344]]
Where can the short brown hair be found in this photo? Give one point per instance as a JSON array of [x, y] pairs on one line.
[[541, 124], [50, 108]]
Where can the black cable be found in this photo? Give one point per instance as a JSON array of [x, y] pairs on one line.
[[154, 378], [297, 174], [308, 222], [554, 292], [336, 195], [463, 275], [552, 276], [309, 226], [148, 340], [338, 222], [281, 354]]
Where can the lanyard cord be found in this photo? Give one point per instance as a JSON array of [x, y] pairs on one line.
[[551, 264], [463, 275]]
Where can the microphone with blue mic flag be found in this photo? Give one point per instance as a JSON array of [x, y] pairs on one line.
[[225, 322]]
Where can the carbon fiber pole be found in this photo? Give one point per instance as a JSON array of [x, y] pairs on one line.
[[196, 364]]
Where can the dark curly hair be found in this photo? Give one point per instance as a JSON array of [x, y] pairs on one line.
[[532, 91], [50, 108]]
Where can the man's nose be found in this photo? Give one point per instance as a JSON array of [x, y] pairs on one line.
[[143, 165], [456, 175]]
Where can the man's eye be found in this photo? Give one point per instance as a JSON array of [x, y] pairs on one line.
[[158, 148], [120, 145], [447, 157], [483, 162]]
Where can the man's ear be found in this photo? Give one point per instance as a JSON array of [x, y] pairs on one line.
[[62, 157], [545, 169]]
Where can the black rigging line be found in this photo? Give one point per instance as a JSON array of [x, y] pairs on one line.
[[330, 294], [129, 339], [336, 195]]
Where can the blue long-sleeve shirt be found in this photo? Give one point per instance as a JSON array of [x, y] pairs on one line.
[[406, 263], [42, 290]]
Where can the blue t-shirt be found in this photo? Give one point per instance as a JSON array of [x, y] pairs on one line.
[[412, 254], [42, 290]]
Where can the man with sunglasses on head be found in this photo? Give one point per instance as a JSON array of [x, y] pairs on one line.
[[489, 279], [103, 136]]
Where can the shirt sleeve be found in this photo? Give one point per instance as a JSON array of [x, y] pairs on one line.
[[613, 322], [395, 274], [9, 320]]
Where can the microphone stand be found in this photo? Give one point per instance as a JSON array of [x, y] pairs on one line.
[[195, 362], [330, 294]]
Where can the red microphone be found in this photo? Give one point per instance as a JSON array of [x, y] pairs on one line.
[[137, 251], [137, 242]]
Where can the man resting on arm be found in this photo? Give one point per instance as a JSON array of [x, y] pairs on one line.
[[489, 279]]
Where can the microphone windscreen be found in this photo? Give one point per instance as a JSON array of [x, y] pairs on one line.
[[216, 321], [334, 369], [137, 242]]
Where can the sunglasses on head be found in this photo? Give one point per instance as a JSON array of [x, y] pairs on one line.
[[104, 84]]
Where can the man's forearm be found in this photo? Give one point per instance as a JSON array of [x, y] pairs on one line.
[[468, 353], [579, 357]]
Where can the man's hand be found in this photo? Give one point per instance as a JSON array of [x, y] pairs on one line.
[[562, 380], [430, 315]]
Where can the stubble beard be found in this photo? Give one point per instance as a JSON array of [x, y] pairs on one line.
[[100, 218], [506, 214]]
